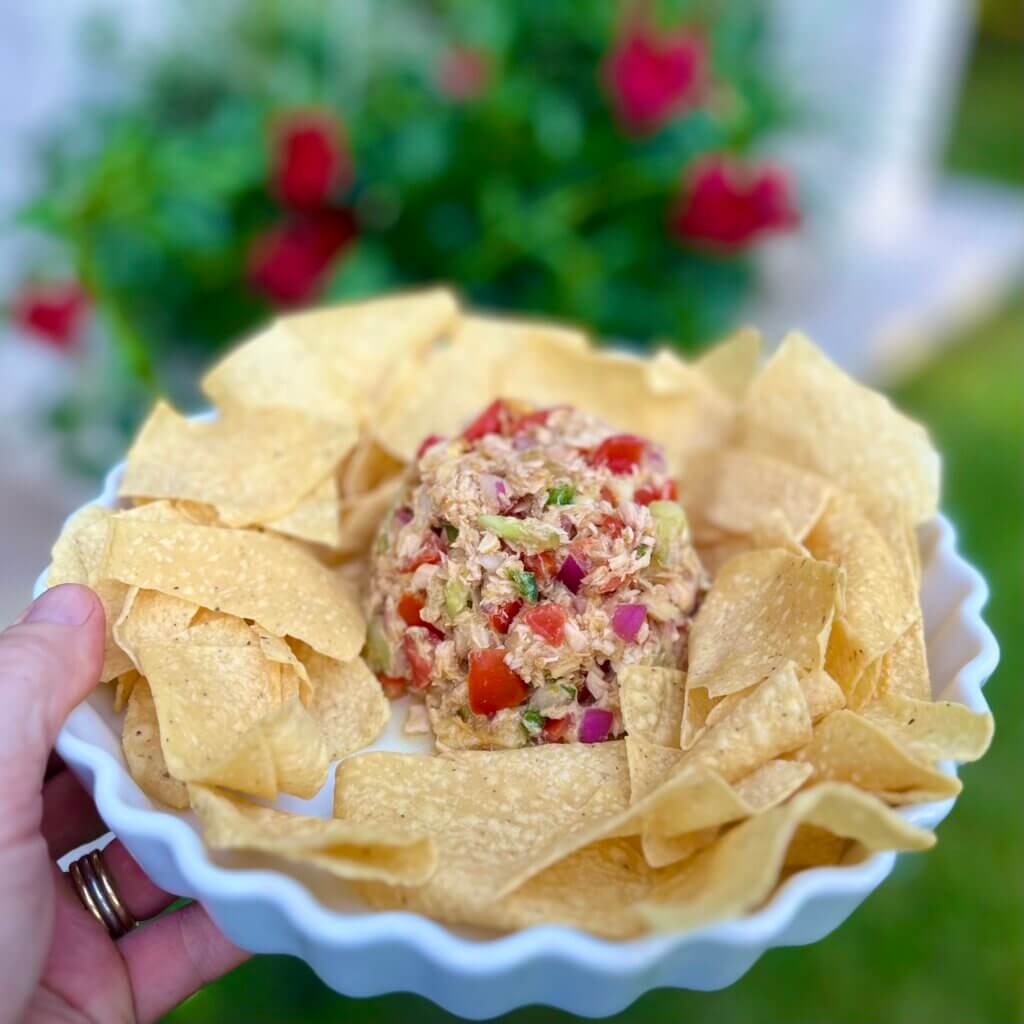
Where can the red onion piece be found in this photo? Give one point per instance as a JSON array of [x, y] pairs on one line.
[[571, 574], [627, 620], [403, 514], [595, 725]]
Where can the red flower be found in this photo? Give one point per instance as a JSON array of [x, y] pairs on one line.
[[288, 262], [463, 73], [651, 77], [310, 160], [53, 312], [728, 204]]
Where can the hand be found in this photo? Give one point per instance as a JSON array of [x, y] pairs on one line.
[[57, 962]]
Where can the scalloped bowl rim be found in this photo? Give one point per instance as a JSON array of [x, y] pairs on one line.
[[436, 943]]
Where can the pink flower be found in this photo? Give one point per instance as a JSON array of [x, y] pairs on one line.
[[53, 312], [288, 262], [463, 73], [728, 204], [652, 76], [310, 159]]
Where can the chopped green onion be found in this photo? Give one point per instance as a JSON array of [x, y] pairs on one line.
[[570, 691], [456, 597], [463, 713], [642, 550], [526, 584], [451, 532], [533, 722], [560, 494]]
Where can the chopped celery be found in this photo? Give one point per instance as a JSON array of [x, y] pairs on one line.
[[377, 652], [456, 597], [530, 533], [669, 524]]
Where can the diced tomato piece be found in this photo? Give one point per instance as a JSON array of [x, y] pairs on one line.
[[607, 494], [492, 684], [502, 616], [409, 607], [430, 553], [620, 453], [668, 491], [555, 729], [548, 622], [393, 686], [428, 442], [495, 419], [418, 646], [543, 565]]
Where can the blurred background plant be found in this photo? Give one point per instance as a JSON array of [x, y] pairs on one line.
[[585, 160]]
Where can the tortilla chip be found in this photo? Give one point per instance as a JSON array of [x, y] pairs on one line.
[[772, 720], [738, 492], [251, 465], [813, 847], [149, 616], [123, 686], [140, 740], [224, 718], [846, 747], [361, 516], [652, 702], [593, 888], [732, 364], [880, 600], [486, 810], [332, 363], [490, 357], [822, 693], [739, 872], [905, 666], [243, 573], [341, 848], [348, 703], [441, 394], [367, 468], [76, 556], [316, 518], [802, 408], [931, 730], [765, 608], [650, 764], [679, 827]]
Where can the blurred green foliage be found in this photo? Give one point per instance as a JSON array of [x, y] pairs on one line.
[[529, 195]]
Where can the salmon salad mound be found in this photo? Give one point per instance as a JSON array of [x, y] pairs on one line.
[[526, 563]]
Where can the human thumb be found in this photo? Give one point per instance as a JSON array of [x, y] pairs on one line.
[[49, 661]]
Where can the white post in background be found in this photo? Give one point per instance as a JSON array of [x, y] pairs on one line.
[[893, 256]]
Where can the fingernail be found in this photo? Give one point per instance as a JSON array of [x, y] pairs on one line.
[[66, 605]]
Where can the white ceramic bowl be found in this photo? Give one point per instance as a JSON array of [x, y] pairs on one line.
[[264, 909]]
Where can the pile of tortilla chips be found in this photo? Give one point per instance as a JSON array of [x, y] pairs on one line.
[[231, 582]]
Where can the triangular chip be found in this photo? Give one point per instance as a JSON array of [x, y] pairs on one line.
[[340, 847], [140, 740], [251, 465], [246, 574], [804, 409]]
